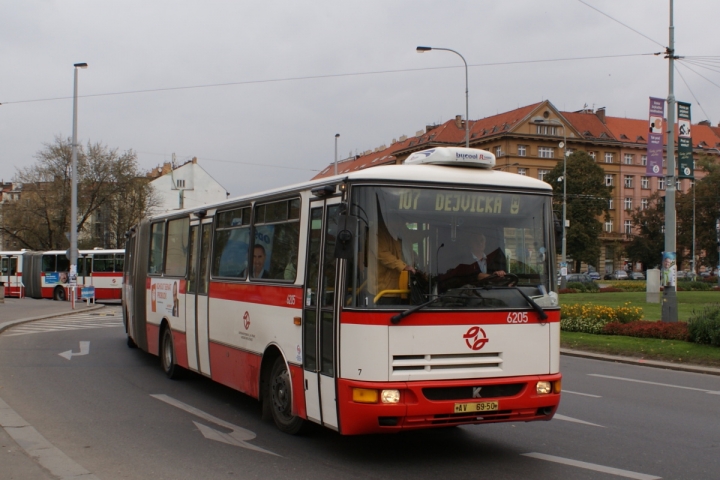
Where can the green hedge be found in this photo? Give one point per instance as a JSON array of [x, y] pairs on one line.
[[704, 326]]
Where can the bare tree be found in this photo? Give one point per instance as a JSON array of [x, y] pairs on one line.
[[112, 195]]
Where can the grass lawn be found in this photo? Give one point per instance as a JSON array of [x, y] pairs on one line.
[[687, 302], [649, 348]]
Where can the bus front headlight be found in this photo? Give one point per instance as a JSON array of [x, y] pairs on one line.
[[390, 396]]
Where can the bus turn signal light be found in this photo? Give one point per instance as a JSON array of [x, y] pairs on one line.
[[365, 395]]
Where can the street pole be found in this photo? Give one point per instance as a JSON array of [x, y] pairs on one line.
[[336, 138], [669, 304], [467, 108], [73, 193]]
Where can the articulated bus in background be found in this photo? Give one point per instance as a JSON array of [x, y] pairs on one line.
[[45, 274], [350, 301]]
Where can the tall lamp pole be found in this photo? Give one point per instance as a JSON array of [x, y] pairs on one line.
[[467, 118], [337, 135], [669, 304], [563, 145], [73, 194]]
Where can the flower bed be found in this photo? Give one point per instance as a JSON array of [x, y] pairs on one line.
[[646, 329]]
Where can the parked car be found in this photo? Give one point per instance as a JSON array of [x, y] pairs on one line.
[[579, 277], [619, 275], [636, 276], [594, 275]]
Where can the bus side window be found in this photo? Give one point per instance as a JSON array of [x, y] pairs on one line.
[[157, 241], [230, 244], [178, 231], [48, 263], [277, 230], [119, 262]]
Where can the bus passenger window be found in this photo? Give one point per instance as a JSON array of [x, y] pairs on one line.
[[232, 238], [276, 242], [48, 263], [157, 241], [178, 232]]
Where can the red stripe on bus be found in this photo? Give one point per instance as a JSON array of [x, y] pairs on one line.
[[297, 377], [235, 368], [278, 296], [105, 274], [447, 318], [180, 344], [153, 338]]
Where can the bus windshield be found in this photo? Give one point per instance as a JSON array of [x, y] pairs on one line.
[[473, 248]]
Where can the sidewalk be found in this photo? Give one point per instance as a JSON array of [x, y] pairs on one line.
[[20, 310]]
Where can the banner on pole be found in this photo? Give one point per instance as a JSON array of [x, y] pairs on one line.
[[655, 138], [685, 151]]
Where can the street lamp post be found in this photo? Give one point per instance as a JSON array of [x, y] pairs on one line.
[[73, 194], [337, 135], [467, 118], [563, 145]]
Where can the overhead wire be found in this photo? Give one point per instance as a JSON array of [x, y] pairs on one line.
[[691, 92], [621, 23], [315, 77]]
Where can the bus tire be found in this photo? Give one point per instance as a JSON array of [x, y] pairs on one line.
[[131, 343], [280, 398], [167, 355], [59, 294]]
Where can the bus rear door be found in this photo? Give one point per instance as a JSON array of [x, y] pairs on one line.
[[196, 297]]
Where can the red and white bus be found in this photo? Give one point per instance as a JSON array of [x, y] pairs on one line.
[[45, 274], [296, 297]]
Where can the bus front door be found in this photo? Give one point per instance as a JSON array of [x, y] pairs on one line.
[[196, 298], [319, 317]]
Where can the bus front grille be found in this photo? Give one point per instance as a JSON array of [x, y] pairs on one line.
[[409, 364]]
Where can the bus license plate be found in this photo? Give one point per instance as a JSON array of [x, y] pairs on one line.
[[476, 407]]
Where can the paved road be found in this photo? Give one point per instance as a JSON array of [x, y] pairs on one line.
[[109, 411]]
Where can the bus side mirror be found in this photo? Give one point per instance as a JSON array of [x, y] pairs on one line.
[[345, 239]]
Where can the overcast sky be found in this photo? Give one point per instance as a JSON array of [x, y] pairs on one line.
[[298, 72]]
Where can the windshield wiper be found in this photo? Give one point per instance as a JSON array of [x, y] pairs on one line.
[[395, 319], [541, 313]]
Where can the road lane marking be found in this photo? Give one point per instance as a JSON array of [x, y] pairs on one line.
[[79, 321], [238, 436], [592, 466], [557, 416], [583, 394], [84, 350], [39, 448], [711, 392]]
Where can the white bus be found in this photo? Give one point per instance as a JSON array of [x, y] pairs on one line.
[[350, 301], [45, 274]]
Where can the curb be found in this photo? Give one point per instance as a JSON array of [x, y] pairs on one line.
[[642, 362], [5, 325]]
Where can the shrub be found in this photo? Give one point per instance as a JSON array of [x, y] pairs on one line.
[[704, 326], [645, 329], [583, 286], [593, 318]]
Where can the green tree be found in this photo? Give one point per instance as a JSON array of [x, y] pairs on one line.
[[707, 211], [587, 202], [112, 196], [648, 242]]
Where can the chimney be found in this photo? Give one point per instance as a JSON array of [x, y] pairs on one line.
[[458, 121], [600, 112], [194, 160]]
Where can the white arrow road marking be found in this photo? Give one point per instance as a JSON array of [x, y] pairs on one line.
[[84, 350], [654, 383], [557, 416], [238, 436], [592, 466]]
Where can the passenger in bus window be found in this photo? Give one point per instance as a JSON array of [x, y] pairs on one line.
[[258, 263], [291, 269], [176, 301], [476, 266], [390, 259]]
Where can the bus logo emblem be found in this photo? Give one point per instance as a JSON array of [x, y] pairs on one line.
[[246, 320], [475, 338]]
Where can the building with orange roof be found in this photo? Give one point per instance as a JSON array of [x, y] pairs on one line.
[[526, 141]]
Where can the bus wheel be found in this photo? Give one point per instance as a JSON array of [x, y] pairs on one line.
[[167, 355], [281, 398], [131, 343], [59, 294]]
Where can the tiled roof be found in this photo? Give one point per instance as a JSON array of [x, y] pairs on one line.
[[589, 125]]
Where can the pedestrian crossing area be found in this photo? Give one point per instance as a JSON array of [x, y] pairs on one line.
[[108, 317]]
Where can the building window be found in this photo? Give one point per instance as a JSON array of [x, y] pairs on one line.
[[645, 182], [643, 160], [180, 183], [522, 150], [522, 171], [546, 152], [608, 180], [546, 130], [644, 204], [592, 155], [628, 181], [542, 174], [609, 226], [498, 151], [609, 157], [677, 186], [611, 204], [629, 157], [628, 203], [661, 183], [628, 227]]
